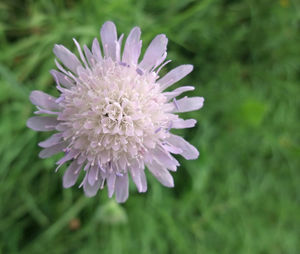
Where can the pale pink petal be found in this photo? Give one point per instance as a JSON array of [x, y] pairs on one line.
[[43, 100], [174, 75], [189, 152], [133, 45], [154, 52], [66, 57], [161, 173], [42, 123], [188, 104], [182, 124], [121, 188], [71, 174], [109, 39], [53, 140], [178, 91]]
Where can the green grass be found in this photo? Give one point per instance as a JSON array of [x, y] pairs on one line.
[[240, 196]]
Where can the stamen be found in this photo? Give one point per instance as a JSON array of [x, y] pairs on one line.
[[169, 126], [157, 130], [139, 71], [175, 103], [124, 64]]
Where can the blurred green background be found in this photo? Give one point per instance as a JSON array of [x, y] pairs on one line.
[[240, 196]]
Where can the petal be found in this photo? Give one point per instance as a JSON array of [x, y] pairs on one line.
[[89, 56], [62, 79], [81, 158], [66, 57], [172, 149], [91, 190], [109, 39], [165, 159], [80, 52], [178, 91], [43, 100], [118, 48], [41, 111], [93, 174], [49, 151], [143, 181], [42, 123], [189, 152], [96, 50], [64, 71], [53, 140], [154, 52], [62, 127], [159, 61], [182, 124], [188, 104], [121, 188], [161, 173], [68, 156], [111, 180], [133, 45], [71, 174], [139, 178], [163, 65], [174, 75]]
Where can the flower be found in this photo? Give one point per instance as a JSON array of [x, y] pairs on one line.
[[113, 117]]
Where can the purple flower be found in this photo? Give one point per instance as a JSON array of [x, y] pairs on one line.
[[113, 117]]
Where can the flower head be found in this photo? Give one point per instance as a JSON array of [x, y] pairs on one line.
[[113, 117]]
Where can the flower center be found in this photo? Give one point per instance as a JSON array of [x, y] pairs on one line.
[[114, 112]]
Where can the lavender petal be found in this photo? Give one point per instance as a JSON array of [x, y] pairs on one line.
[[189, 152], [161, 173], [109, 39], [175, 75], [154, 52], [133, 45], [66, 57], [43, 100], [121, 188], [71, 174], [187, 104], [42, 123]]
